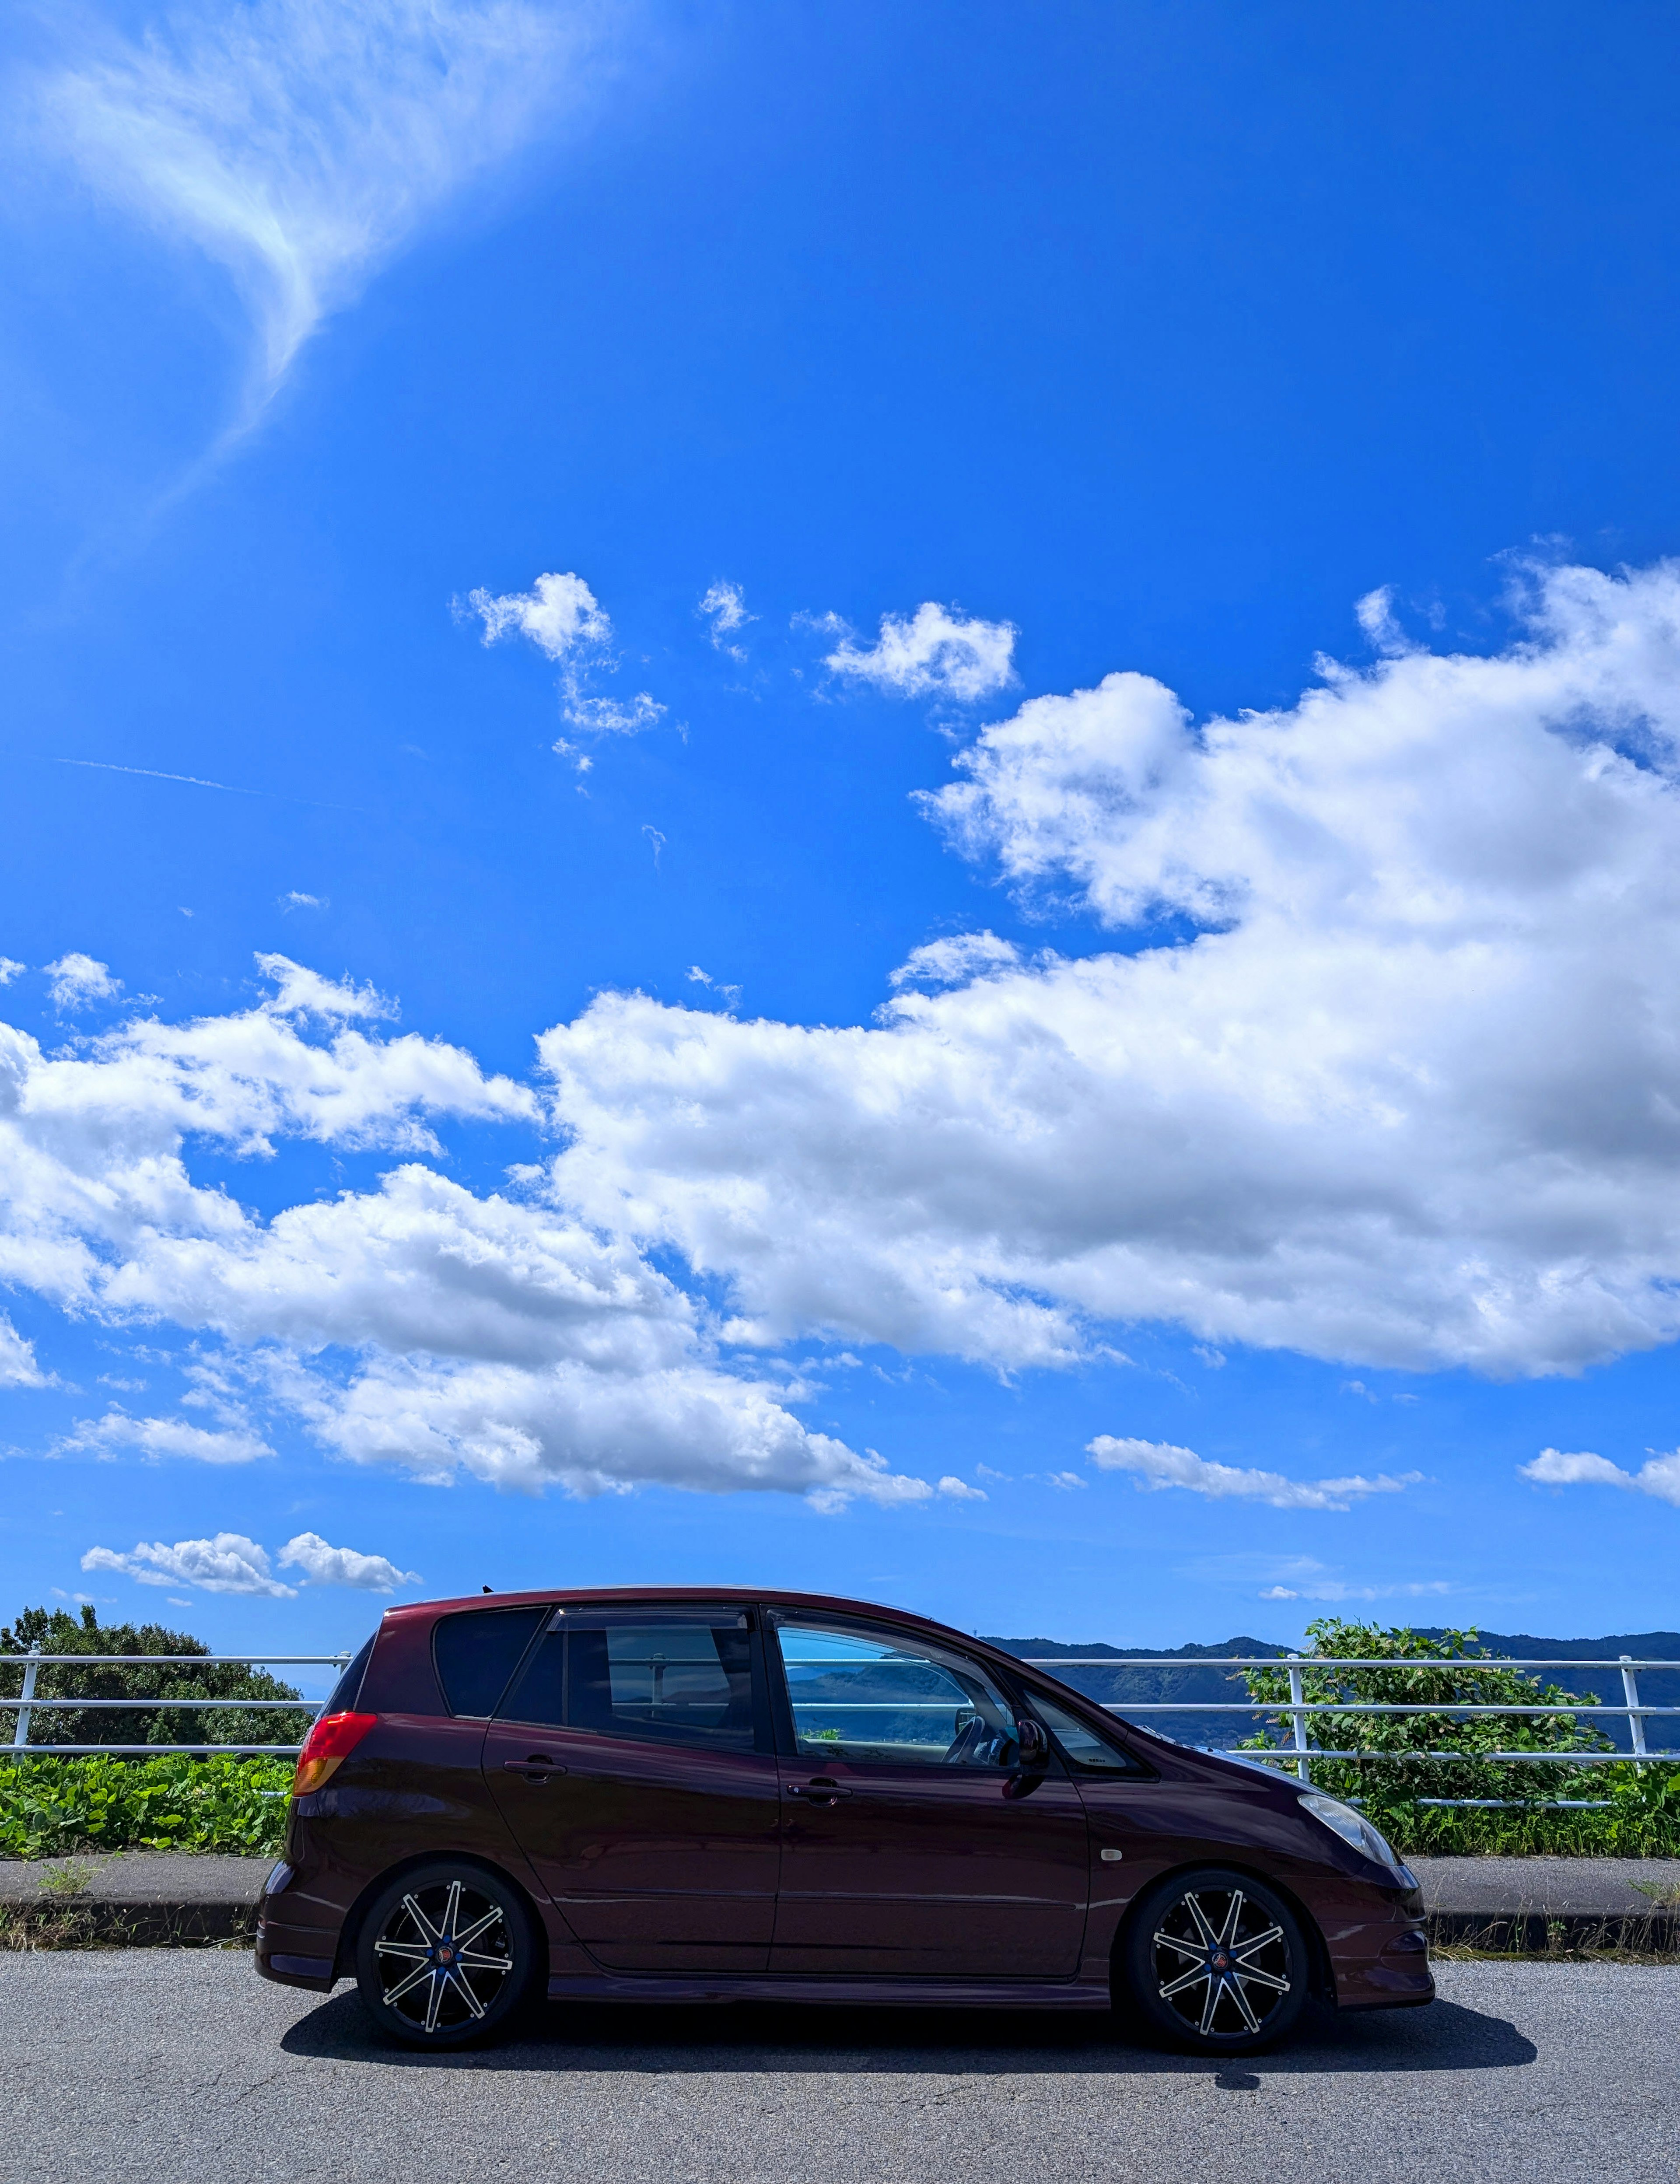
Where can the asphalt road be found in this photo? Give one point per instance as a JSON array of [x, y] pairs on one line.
[[156, 2066]]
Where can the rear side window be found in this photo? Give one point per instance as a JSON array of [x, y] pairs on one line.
[[693, 1680], [1084, 1745], [349, 1688], [476, 1653]]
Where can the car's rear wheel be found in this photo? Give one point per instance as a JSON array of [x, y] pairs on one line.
[[448, 1954], [1216, 1961]]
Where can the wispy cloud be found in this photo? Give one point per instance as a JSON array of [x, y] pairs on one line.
[[76, 979], [568, 625], [1158, 1463], [724, 606], [934, 653], [300, 143]]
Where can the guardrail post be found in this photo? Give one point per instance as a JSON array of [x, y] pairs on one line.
[[1636, 1720], [31, 1670], [1298, 1705]]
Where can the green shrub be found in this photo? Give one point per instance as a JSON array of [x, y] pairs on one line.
[[50, 1808], [1415, 1754]]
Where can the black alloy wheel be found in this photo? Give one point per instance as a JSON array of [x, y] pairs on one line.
[[448, 1955], [1215, 1962]]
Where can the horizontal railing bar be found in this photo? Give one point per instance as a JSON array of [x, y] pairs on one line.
[[1288, 1754], [95, 1706], [189, 1660], [1335, 1706], [59, 1751], [1472, 1662]]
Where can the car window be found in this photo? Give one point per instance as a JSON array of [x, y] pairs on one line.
[[349, 1688], [1083, 1745], [477, 1651], [688, 1680], [864, 1695]]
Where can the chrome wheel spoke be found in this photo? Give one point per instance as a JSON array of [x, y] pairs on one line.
[[1185, 1948], [430, 1932], [419, 1972], [465, 1940], [451, 1912], [475, 1962], [1227, 1932], [1247, 1975], [1210, 2007], [1242, 2001], [1193, 1904], [439, 1982], [1184, 1979], [1241, 1950], [413, 1951], [464, 1988]]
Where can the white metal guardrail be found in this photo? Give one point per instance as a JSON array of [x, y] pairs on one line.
[[26, 1705], [1298, 1709]]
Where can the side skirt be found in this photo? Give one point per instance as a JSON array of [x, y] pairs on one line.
[[905, 1994]]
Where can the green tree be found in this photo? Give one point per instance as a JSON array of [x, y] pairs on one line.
[[172, 1721], [1436, 1673]]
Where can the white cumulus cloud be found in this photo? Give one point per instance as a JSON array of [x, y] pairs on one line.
[[1659, 1476], [933, 653], [299, 143], [325, 1565], [1159, 1464], [1397, 1090], [10, 968], [229, 1562], [415, 1323]]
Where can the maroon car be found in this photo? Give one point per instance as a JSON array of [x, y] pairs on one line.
[[731, 1795]]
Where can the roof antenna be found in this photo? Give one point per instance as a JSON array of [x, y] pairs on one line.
[[489, 1588]]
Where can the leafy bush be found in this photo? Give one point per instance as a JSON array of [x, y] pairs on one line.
[[1639, 1817], [58, 1632], [49, 1808]]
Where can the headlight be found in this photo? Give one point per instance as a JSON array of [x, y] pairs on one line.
[[1353, 1827]]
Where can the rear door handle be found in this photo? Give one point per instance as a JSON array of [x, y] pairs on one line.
[[535, 1769], [819, 1792]]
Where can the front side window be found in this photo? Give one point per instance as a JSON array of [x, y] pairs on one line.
[[687, 1680], [1081, 1743], [863, 1695]]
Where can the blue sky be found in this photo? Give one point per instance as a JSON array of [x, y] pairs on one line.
[[1269, 1154]]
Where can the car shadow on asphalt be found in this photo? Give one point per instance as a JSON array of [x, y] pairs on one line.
[[640, 2039]]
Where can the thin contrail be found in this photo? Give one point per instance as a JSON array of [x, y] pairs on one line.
[[194, 780], [150, 773]]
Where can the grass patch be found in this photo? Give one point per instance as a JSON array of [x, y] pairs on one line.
[[72, 1880], [59, 1808]]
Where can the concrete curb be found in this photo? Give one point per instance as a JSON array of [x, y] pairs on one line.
[[1526, 1907]]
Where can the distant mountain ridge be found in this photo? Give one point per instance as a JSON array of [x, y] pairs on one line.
[[1122, 1687]]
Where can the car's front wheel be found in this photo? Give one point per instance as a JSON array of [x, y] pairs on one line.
[[1216, 1961], [448, 1954]]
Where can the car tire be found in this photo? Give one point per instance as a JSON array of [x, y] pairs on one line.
[[1215, 1963], [448, 1956]]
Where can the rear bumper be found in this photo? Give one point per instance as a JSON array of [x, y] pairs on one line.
[[286, 1967]]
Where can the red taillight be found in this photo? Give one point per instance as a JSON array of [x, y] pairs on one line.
[[328, 1745]]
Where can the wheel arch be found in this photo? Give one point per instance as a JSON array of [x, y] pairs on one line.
[[344, 1957], [1321, 1978]]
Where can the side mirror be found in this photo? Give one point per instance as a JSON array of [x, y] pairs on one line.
[[1034, 1745]]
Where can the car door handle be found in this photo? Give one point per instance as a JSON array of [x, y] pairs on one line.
[[819, 1792], [535, 1769]]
